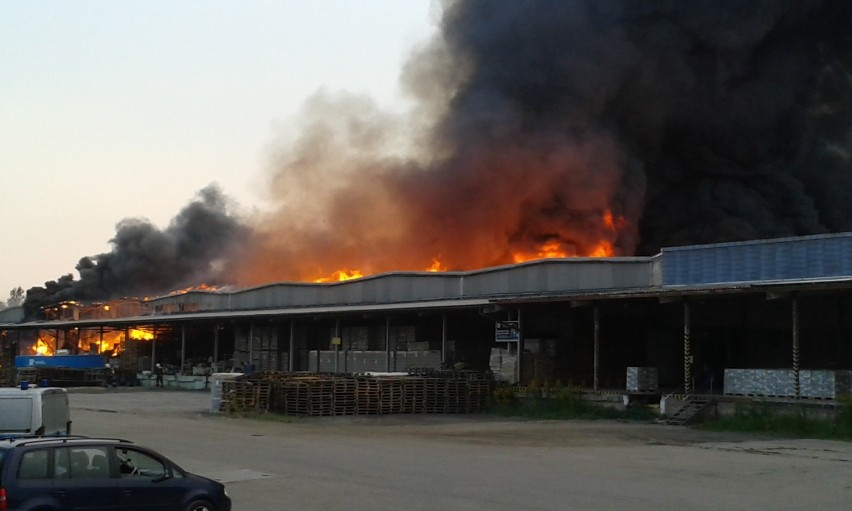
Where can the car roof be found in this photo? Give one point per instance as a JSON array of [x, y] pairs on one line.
[[11, 443]]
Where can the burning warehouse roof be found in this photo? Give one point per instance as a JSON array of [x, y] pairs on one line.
[[541, 129]]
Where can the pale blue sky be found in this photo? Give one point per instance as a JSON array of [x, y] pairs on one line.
[[112, 109]]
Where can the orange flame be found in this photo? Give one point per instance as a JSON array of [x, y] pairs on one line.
[[604, 249], [141, 334], [436, 266], [199, 287], [341, 275], [42, 348]]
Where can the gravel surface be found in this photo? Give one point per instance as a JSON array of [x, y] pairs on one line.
[[470, 462]]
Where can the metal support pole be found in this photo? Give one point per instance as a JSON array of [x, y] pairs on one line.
[[443, 339], [520, 347], [597, 349], [336, 346], [154, 349], [291, 356], [182, 348], [101, 339], [687, 350], [251, 343], [796, 373], [216, 346], [387, 344]]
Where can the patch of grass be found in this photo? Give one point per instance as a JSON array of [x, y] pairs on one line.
[[563, 404], [762, 418]]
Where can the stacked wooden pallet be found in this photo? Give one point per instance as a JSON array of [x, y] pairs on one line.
[[345, 396], [242, 395], [312, 394], [368, 393], [392, 395]]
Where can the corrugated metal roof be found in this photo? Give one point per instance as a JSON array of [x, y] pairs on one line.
[[257, 313]]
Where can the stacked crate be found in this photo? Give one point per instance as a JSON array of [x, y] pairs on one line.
[[824, 384], [760, 382], [642, 379]]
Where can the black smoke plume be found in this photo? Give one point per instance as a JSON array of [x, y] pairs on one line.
[[144, 259], [687, 121], [544, 127]]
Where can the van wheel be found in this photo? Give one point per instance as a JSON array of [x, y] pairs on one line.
[[200, 505]]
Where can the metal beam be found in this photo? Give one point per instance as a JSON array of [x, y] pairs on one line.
[[796, 372], [687, 350], [387, 344], [182, 348], [597, 350], [291, 362]]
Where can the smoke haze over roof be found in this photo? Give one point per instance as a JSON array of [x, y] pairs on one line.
[[541, 128]]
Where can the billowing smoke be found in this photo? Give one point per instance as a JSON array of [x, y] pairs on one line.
[[576, 128], [193, 249], [544, 128]]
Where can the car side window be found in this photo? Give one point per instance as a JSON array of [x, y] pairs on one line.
[[33, 465], [61, 464], [88, 462], [134, 463]]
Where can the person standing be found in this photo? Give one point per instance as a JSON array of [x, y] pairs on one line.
[[158, 372]]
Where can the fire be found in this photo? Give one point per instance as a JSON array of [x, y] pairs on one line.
[[42, 348], [604, 249], [341, 275], [199, 287], [555, 248], [548, 249], [141, 334], [436, 266]]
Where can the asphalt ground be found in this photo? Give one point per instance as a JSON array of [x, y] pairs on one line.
[[436, 462]]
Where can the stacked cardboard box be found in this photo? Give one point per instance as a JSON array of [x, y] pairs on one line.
[[642, 379], [760, 382]]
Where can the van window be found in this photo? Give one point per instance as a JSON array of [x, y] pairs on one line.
[[17, 415], [55, 414]]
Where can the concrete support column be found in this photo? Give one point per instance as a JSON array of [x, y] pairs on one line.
[[687, 349], [796, 372]]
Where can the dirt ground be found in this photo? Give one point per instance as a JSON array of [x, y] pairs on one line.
[[471, 462]]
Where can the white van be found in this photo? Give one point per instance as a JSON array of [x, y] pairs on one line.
[[34, 412]]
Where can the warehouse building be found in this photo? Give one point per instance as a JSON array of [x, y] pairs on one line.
[[767, 317]]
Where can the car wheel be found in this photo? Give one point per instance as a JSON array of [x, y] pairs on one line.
[[200, 505]]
